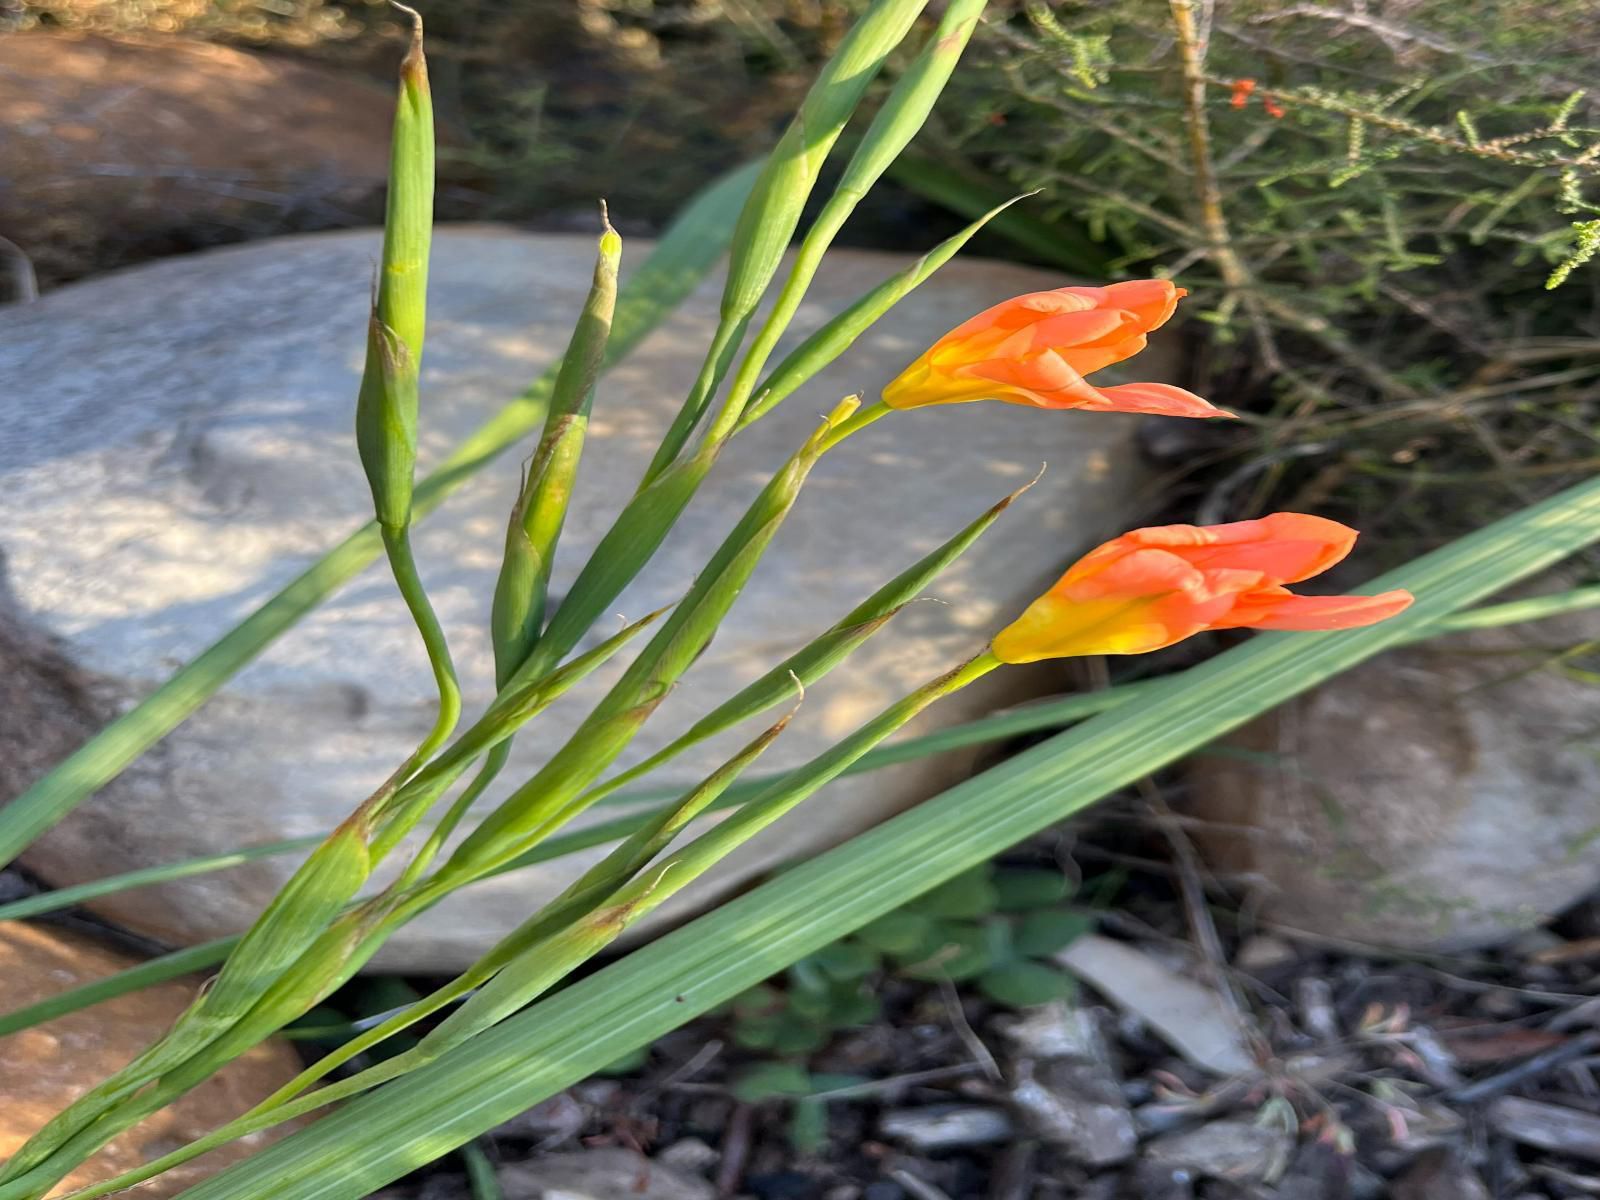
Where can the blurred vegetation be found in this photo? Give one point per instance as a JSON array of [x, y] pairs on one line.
[[548, 103], [1368, 201], [1367, 233], [995, 928]]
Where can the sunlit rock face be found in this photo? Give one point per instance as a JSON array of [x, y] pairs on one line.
[[179, 446]]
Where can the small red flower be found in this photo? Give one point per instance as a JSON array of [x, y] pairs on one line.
[[1274, 109], [1241, 92]]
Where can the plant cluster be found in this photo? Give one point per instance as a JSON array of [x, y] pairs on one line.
[[996, 927], [514, 1026]]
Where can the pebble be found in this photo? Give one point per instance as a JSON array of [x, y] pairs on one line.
[[1263, 952], [1078, 1108], [689, 1154], [946, 1126], [558, 1119], [1064, 1085], [606, 1173], [1156, 1181], [1056, 1030], [1189, 1016], [1547, 1126], [1439, 1175], [1240, 1151]]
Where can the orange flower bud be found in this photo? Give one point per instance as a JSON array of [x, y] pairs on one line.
[[1153, 587], [1241, 92], [1036, 349]]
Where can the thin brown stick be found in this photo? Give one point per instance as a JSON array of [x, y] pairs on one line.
[[1208, 193]]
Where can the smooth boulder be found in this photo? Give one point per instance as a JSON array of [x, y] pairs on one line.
[[1439, 798], [180, 446], [119, 149]]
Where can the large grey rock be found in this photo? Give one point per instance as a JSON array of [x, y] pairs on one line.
[[1438, 798], [179, 446]]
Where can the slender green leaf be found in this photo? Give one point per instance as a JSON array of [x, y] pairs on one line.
[[546, 800], [146, 974], [1031, 718], [896, 123], [779, 194], [54, 901], [813, 661]]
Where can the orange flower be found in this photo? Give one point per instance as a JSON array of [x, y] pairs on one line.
[[1153, 587], [1036, 349]]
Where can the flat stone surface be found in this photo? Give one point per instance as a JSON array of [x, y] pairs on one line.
[[1236, 1150], [1441, 798], [1551, 1127], [1188, 1016], [45, 1068], [179, 446], [946, 1126], [610, 1173]]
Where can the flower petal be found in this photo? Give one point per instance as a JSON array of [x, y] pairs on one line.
[[1283, 547], [1158, 399], [1152, 301], [1283, 610]]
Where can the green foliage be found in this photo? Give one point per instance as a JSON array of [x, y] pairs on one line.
[[361, 1146], [1369, 233], [995, 926], [992, 926]]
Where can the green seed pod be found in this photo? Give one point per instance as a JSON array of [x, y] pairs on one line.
[[386, 424], [541, 508], [386, 406]]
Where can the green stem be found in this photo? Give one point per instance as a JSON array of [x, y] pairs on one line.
[[858, 421], [492, 767], [397, 543]]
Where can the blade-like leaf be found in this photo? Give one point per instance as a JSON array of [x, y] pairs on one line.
[[897, 122], [779, 195], [563, 1039]]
